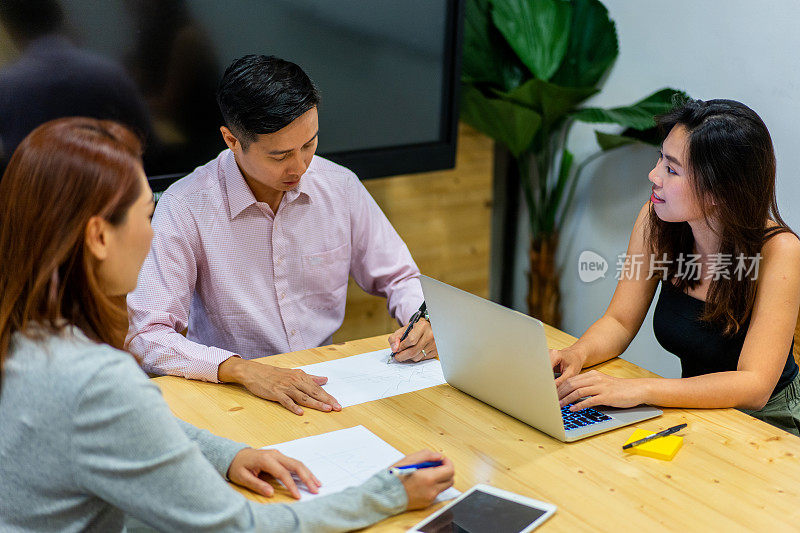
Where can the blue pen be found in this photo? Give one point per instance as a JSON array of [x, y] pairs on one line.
[[410, 469]]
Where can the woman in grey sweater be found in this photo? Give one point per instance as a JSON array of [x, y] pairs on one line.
[[86, 438]]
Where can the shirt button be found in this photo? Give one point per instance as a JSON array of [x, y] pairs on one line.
[[283, 295], [293, 332], [279, 261]]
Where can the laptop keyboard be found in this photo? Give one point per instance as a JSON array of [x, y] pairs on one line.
[[582, 418]]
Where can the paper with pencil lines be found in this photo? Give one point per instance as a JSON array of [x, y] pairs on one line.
[[344, 458], [367, 377]]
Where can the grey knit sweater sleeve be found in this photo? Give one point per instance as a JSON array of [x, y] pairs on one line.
[[125, 442], [218, 451], [120, 450], [374, 500]]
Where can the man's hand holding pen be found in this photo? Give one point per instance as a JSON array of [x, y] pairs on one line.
[[418, 344]]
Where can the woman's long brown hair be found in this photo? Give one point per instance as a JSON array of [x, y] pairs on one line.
[[62, 174], [731, 160]]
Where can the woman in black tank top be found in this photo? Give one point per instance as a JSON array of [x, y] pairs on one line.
[[729, 269]]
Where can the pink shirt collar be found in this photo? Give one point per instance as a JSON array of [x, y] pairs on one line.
[[239, 195]]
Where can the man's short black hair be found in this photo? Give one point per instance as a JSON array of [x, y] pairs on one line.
[[263, 94]]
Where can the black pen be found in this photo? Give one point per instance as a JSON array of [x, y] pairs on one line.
[[414, 319], [670, 431]]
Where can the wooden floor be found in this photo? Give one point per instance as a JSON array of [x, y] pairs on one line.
[[444, 218]]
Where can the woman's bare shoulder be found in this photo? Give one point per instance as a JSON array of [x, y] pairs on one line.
[[783, 243], [780, 257]]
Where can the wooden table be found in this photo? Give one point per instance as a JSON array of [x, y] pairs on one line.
[[734, 473]]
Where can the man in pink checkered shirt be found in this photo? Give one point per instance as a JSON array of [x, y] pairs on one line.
[[252, 251]]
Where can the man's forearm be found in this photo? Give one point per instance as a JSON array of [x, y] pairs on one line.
[[232, 370]]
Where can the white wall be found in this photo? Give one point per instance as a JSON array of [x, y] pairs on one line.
[[737, 49]]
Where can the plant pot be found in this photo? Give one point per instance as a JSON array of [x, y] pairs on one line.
[[544, 293]]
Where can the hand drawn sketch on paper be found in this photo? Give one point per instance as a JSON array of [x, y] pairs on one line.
[[344, 458], [367, 377]]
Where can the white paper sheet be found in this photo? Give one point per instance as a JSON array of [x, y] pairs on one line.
[[367, 377], [344, 458]]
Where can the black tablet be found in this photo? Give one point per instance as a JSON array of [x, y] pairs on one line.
[[486, 508]]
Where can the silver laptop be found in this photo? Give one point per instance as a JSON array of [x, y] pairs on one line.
[[500, 357]]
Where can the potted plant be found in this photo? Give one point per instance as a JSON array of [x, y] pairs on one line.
[[528, 67]]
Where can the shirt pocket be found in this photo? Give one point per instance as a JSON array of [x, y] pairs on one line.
[[325, 277]]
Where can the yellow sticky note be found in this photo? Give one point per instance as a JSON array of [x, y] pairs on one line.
[[662, 448]]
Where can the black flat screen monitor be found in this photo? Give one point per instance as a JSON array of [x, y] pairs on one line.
[[387, 72]]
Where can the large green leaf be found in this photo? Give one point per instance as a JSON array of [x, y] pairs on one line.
[[592, 46], [508, 123], [487, 56], [640, 115], [551, 101], [608, 141], [537, 30]]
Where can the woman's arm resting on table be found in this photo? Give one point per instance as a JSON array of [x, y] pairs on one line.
[[127, 449], [610, 335], [763, 356]]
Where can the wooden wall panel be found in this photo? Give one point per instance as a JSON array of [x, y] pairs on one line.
[[444, 218]]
